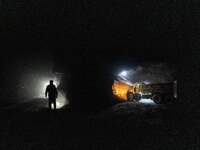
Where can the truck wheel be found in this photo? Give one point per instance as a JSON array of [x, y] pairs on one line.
[[130, 96], [169, 99], [137, 97], [157, 98]]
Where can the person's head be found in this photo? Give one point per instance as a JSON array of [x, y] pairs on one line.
[[51, 82]]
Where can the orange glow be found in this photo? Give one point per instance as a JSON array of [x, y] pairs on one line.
[[120, 89]]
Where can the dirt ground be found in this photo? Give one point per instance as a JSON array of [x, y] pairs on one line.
[[126, 125]]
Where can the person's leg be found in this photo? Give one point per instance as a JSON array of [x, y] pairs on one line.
[[54, 103], [50, 103]]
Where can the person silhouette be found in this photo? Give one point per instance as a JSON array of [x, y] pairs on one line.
[[52, 94]]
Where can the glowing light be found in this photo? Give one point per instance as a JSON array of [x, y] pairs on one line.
[[123, 73], [59, 105], [120, 89], [147, 101], [146, 82], [61, 100]]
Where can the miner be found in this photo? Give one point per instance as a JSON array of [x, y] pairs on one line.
[[52, 94]]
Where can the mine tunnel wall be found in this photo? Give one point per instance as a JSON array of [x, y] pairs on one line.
[[88, 85]]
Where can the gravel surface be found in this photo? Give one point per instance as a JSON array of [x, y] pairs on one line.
[[126, 125]]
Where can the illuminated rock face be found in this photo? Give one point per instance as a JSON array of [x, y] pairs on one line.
[[61, 100], [151, 73]]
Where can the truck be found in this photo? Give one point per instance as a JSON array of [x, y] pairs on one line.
[[159, 93]]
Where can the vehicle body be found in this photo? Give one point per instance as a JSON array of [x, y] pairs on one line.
[[159, 93]]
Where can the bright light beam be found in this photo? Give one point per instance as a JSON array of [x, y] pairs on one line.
[[123, 73]]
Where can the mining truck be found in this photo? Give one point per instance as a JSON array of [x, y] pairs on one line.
[[159, 93]]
